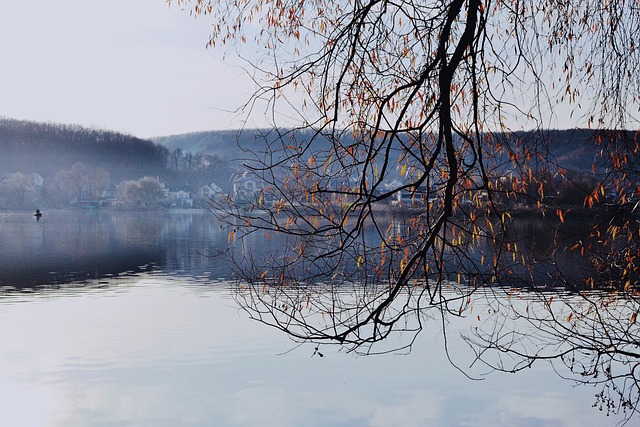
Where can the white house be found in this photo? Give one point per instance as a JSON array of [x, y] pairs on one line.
[[211, 191], [181, 199], [245, 187]]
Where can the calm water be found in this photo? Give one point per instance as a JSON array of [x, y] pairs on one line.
[[136, 326]]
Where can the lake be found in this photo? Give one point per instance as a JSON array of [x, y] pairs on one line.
[[129, 319]]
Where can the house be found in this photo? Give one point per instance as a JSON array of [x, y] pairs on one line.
[[108, 196], [210, 191], [411, 197], [246, 187], [180, 199]]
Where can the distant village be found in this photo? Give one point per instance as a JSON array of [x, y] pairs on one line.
[[48, 165], [28, 191], [69, 191]]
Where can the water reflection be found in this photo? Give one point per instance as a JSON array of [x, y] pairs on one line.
[[75, 246], [162, 351], [150, 345], [544, 242]]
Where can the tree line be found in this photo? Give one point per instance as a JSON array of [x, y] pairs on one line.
[[79, 163]]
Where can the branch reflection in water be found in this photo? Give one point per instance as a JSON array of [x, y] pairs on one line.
[[549, 313], [589, 336]]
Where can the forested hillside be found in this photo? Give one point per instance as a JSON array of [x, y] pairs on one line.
[[573, 149], [221, 143], [49, 147], [192, 160], [238, 146], [61, 165]]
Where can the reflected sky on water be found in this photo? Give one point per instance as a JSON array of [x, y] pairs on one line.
[[156, 351], [156, 339]]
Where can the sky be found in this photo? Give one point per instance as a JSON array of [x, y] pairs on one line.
[[133, 66]]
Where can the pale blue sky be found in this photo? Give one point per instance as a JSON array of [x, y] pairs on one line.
[[134, 66]]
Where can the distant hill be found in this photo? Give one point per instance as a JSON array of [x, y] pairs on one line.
[[573, 149], [45, 148], [226, 144], [220, 143], [27, 146]]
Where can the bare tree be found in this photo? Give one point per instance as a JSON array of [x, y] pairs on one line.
[[424, 126], [144, 193], [588, 337], [74, 181], [82, 182], [18, 190], [176, 159]]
